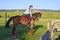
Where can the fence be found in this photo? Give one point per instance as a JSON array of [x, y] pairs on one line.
[[54, 24], [5, 15]]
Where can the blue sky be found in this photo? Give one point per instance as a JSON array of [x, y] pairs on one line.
[[23, 4]]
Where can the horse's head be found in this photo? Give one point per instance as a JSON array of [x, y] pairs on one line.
[[37, 15]]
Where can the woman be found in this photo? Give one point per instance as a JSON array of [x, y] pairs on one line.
[[28, 12]]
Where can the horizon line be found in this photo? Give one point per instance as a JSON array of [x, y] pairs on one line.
[[36, 8]]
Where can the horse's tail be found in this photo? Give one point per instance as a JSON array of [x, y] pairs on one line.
[[7, 23]]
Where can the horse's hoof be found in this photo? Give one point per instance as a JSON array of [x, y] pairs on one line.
[[31, 33]]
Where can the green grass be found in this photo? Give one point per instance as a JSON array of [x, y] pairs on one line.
[[50, 15], [2, 21], [45, 15], [22, 32]]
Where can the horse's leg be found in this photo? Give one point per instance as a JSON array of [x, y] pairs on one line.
[[15, 23], [31, 30], [31, 27], [13, 32]]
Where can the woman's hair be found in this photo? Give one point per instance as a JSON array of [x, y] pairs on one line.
[[31, 6]]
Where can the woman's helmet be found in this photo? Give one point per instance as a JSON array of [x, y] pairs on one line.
[[31, 6]]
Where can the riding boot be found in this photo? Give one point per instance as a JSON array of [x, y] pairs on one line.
[[29, 21], [28, 16]]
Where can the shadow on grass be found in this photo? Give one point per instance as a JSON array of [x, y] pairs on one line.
[[3, 33], [20, 32], [6, 34], [37, 27]]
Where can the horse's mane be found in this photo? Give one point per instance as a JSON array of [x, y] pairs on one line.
[[36, 13]]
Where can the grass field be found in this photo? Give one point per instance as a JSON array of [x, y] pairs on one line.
[[22, 32]]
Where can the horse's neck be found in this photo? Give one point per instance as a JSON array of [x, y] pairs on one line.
[[33, 17]]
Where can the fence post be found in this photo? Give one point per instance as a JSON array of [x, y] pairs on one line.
[[5, 17]]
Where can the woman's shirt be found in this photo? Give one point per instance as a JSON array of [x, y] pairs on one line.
[[28, 12]]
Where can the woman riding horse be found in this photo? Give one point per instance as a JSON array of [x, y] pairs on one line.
[[24, 21], [28, 12]]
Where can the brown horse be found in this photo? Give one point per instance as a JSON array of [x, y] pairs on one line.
[[24, 21]]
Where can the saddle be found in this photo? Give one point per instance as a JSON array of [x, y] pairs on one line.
[[28, 17]]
